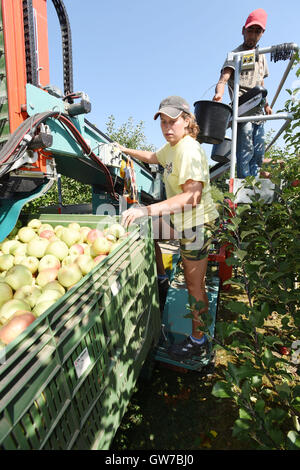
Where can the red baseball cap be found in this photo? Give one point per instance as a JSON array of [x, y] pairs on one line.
[[259, 17]]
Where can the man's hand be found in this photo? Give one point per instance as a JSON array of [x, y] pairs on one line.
[[268, 109]]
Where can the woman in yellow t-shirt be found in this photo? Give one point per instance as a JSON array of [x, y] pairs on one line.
[[189, 209]]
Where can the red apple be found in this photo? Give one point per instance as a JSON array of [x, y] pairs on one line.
[[98, 259], [45, 276], [47, 234], [76, 249], [93, 234]]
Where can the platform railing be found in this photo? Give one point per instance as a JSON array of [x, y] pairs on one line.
[[237, 58]]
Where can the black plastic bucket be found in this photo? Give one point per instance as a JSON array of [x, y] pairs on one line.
[[221, 152], [212, 118]]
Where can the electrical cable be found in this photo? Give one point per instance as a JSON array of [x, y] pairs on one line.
[[29, 127]]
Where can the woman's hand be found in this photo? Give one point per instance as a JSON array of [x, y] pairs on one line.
[[121, 147], [130, 215]]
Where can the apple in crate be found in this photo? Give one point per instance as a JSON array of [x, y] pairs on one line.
[[7, 245], [69, 275], [41, 307], [76, 249], [26, 234], [18, 248], [16, 325], [54, 285], [101, 246], [6, 293], [57, 248], [10, 307], [18, 276], [85, 263], [70, 236], [83, 233], [48, 261], [37, 247], [48, 234], [6, 262], [44, 227], [117, 230], [93, 234], [46, 276], [34, 223], [31, 262], [29, 294]]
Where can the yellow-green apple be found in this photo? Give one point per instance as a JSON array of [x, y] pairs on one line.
[[70, 236], [10, 307], [69, 275], [32, 262], [6, 262], [18, 276], [37, 247], [44, 227], [25, 234], [34, 223], [48, 261], [57, 248], [69, 260], [50, 294], [18, 249], [54, 285], [74, 226], [41, 307], [101, 246], [28, 293], [45, 276], [83, 233], [6, 293], [7, 245], [85, 263], [117, 230]]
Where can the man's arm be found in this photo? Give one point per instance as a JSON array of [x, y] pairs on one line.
[[220, 87]]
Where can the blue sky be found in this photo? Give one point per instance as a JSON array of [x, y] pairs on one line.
[[130, 54]]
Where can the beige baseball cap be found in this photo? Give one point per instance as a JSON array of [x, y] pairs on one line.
[[173, 106]]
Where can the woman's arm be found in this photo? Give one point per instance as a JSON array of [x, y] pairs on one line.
[[190, 196], [143, 155]]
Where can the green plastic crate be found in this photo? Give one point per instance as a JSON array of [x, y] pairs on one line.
[[67, 380]]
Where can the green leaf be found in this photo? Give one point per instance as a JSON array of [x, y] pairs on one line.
[[238, 307], [243, 414], [240, 426], [221, 390]]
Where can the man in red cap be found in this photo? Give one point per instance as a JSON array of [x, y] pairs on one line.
[[250, 135]]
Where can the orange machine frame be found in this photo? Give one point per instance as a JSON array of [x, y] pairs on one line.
[[14, 43], [15, 58]]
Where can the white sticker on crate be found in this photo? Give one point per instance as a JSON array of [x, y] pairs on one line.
[[82, 362], [115, 287]]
